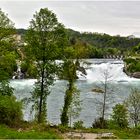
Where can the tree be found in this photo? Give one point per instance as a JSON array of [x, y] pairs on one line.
[[10, 109], [106, 90], [69, 73], [7, 52], [120, 116], [45, 39], [71, 64], [133, 105], [75, 106]]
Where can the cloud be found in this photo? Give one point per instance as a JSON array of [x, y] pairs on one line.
[[113, 17]]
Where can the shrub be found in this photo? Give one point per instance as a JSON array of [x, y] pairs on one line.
[[5, 89], [10, 110], [120, 116], [29, 69], [78, 125], [98, 123], [112, 125], [130, 60]]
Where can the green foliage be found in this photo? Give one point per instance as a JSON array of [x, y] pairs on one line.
[[132, 64], [96, 52], [5, 89], [71, 106], [7, 52], [130, 60], [78, 125], [136, 49], [10, 110], [133, 105], [126, 134], [69, 73], [100, 123], [8, 133], [120, 116], [29, 69], [102, 40], [75, 106], [46, 38], [67, 103], [5, 21]]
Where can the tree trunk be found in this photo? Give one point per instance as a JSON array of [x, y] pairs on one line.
[[104, 105], [41, 97]]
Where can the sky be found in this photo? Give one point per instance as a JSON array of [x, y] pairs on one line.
[[111, 17]]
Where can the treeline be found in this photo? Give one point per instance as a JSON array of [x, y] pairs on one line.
[[102, 40], [100, 44]]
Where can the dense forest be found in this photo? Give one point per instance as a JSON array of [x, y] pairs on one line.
[[100, 44], [100, 40]]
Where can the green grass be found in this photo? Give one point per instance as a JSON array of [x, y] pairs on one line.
[[126, 134], [9, 133], [35, 131], [120, 134]]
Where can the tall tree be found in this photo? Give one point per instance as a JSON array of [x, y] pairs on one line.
[[45, 39], [70, 66], [7, 52]]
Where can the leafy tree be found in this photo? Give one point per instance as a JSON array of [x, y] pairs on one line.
[[133, 105], [69, 71], [7, 53], [71, 64], [10, 109], [45, 39], [75, 106], [120, 116]]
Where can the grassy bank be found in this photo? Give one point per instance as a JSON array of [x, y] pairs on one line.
[[44, 132], [30, 133]]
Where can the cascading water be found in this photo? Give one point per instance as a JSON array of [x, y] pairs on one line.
[[18, 74], [114, 68], [86, 83]]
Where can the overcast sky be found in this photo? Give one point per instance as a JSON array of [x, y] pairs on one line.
[[112, 17]]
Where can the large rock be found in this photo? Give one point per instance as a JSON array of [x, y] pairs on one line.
[[136, 74]]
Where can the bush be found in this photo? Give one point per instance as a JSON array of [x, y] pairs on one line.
[[5, 89], [120, 116], [130, 60], [29, 69], [112, 125], [78, 125], [100, 123], [10, 110]]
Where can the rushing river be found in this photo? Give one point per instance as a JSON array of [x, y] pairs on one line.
[[121, 84]]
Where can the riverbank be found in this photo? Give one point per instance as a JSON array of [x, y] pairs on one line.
[[36, 131], [132, 67], [29, 131]]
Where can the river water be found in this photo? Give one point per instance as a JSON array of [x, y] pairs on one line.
[[121, 86]]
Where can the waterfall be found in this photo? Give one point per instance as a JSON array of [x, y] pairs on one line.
[[114, 68], [122, 84], [18, 74]]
